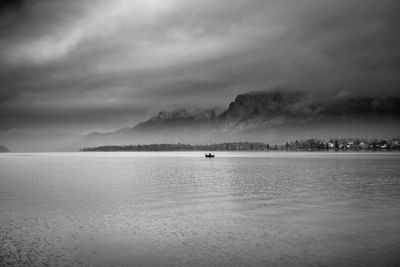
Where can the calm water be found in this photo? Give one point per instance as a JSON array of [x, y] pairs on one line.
[[124, 209]]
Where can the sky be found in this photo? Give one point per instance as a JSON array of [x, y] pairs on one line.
[[73, 67]]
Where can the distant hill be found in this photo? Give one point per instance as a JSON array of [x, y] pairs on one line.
[[172, 126], [3, 149], [265, 117]]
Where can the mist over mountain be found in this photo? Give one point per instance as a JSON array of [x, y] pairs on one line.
[[37, 141], [264, 116], [174, 126], [260, 109]]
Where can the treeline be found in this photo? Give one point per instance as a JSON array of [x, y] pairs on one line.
[[341, 144]]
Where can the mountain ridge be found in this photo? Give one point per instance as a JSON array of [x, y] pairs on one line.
[[259, 116]]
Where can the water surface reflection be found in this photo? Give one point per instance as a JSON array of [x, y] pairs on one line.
[[79, 209]]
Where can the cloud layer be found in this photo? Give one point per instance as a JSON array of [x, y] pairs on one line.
[[79, 66]]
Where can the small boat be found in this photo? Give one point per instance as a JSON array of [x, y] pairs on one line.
[[209, 155]]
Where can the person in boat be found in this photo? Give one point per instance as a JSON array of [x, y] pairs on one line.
[[209, 155]]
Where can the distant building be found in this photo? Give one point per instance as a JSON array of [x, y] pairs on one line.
[[363, 145]]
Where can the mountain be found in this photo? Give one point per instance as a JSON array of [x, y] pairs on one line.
[[276, 108], [278, 117], [177, 126], [267, 117], [3, 149]]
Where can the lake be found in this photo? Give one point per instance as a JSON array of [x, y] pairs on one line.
[[182, 209]]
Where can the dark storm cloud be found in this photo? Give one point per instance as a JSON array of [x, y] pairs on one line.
[[11, 5], [79, 64]]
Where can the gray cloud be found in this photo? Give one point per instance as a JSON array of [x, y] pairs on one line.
[[11, 6], [101, 65]]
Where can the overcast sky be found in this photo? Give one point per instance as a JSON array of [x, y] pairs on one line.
[[99, 65]]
